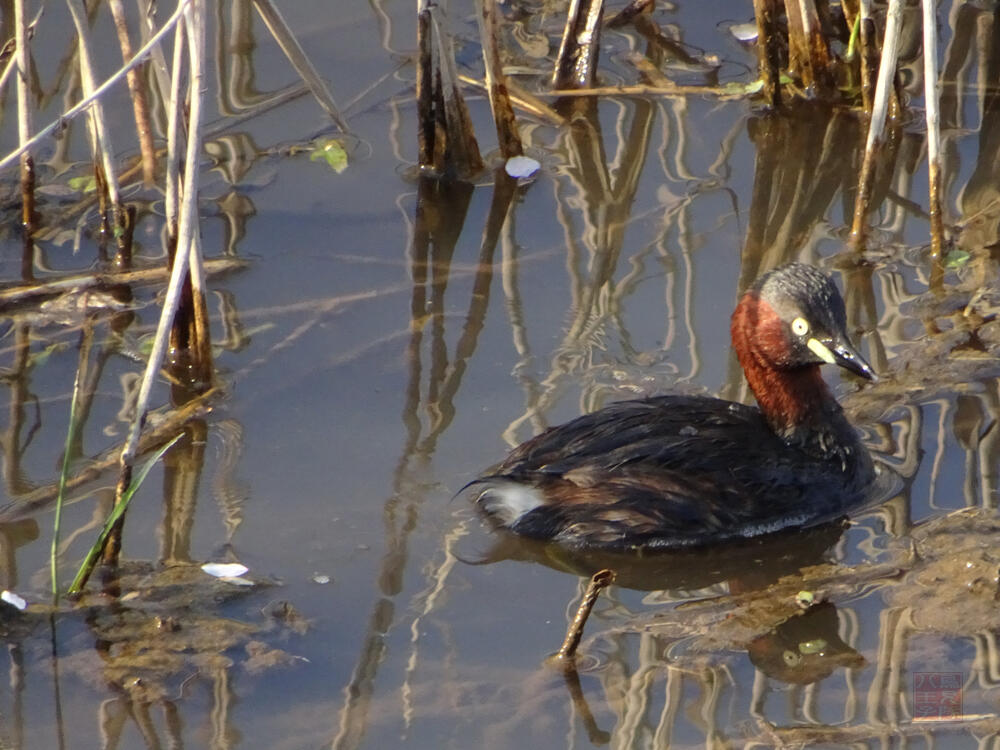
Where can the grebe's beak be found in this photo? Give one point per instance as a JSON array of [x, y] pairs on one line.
[[841, 352]]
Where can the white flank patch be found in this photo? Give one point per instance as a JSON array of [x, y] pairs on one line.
[[225, 570], [508, 501]]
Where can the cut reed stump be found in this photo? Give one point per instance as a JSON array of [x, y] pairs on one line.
[[884, 91], [503, 111], [769, 50], [808, 51], [576, 63], [445, 138], [598, 582]]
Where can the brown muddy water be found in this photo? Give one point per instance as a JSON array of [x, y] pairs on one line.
[[374, 364]]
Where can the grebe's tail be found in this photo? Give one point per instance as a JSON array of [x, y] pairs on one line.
[[503, 499]]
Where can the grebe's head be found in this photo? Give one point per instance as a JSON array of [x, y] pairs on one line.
[[794, 317]]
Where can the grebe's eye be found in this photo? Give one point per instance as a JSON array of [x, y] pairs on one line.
[[800, 326]]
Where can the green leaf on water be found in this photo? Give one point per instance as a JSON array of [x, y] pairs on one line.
[[736, 87], [753, 87], [332, 152], [86, 184], [956, 259], [144, 346], [38, 359]]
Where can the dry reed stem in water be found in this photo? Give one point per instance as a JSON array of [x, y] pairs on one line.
[[187, 226], [600, 580], [289, 44], [137, 88], [576, 63], [78, 283], [24, 119], [77, 108], [496, 82], [768, 50], [933, 118], [876, 128]]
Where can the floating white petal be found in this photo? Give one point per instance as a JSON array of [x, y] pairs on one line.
[[13, 599], [744, 32], [521, 166], [225, 570]]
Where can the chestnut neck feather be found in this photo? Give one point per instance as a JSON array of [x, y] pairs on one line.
[[790, 397]]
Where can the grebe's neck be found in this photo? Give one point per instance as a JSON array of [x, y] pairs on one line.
[[795, 401]]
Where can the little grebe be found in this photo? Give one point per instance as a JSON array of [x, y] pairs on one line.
[[682, 471]]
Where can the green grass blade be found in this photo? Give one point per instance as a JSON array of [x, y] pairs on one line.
[[86, 336], [119, 510], [63, 473], [852, 44]]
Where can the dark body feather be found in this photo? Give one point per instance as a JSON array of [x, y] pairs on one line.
[[680, 471]]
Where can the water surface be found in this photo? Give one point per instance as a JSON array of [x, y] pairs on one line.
[[378, 353]]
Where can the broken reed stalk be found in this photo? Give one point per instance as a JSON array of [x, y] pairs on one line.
[[24, 127], [172, 176], [633, 10], [201, 339], [598, 582], [78, 283], [496, 82], [187, 226], [447, 141], [157, 60], [461, 151], [189, 334], [426, 122], [576, 63], [933, 117], [137, 89], [869, 55], [8, 68], [102, 150], [523, 100], [289, 44], [768, 50], [86, 339], [876, 127], [80, 106], [808, 53], [124, 232]]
